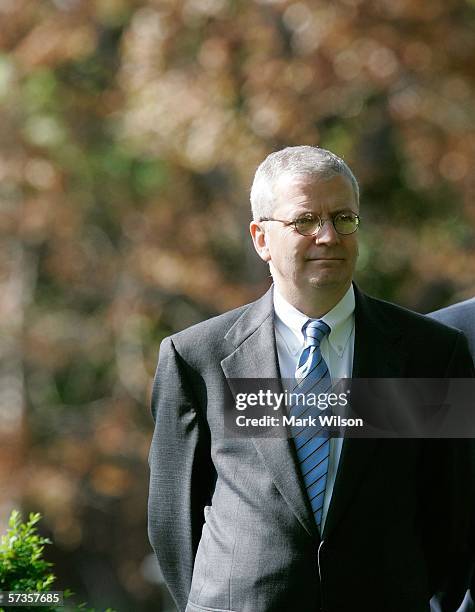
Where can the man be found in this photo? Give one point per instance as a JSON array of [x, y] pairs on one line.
[[460, 316], [235, 522]]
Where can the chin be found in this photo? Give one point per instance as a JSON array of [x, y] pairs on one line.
[[323, 281]]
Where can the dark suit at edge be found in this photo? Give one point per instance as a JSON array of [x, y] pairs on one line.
[[462, 317]]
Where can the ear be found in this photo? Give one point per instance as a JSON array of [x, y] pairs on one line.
[[259, 239]]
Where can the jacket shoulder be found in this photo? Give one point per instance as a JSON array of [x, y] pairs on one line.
[[207, 335], [413, 323], [461, 314]]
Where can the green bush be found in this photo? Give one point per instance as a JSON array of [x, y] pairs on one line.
[[22, 566]]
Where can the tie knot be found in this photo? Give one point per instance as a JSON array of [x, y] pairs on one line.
[[314, 331]]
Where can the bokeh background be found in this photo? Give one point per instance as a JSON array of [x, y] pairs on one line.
[[130, 131]]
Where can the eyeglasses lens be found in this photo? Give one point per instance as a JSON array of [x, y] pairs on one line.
[[307, 227], [346, 224]]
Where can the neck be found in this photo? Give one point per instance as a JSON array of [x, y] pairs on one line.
[[317, 303]]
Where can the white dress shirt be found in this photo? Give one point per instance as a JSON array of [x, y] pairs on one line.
[[337, 350]]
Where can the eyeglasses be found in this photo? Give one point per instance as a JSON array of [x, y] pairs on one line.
[[345, 223]]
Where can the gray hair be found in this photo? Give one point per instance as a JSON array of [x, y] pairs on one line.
[[301, 160]]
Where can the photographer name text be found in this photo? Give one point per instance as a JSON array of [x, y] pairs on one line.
[[286, 402], [292, 421]]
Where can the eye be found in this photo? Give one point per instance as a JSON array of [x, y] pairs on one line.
[[346, 222], [307, 224]]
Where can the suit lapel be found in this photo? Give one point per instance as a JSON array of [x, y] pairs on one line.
[[377, 354], [255, 356]]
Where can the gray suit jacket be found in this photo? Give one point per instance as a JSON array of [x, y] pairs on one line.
[[229, 519], [461, 316]]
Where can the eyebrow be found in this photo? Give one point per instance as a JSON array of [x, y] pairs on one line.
[[332, 213]]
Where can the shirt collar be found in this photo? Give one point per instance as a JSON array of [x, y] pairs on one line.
[[340, 319]]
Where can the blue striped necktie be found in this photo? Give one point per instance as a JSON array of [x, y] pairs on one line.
[[312, 443]]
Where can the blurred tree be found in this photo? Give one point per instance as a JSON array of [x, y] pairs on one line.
[[129, 134]]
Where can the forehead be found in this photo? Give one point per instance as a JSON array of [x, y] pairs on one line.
[[304, 193]]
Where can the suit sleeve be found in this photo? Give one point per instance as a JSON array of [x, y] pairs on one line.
[[181, 472]]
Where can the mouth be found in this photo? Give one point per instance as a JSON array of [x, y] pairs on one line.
[[325, 259]]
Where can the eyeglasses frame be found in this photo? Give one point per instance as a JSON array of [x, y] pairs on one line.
[[320, 224]]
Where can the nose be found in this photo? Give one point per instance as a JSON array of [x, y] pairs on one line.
[[327, 234]]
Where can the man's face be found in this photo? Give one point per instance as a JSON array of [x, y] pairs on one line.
[[300, 264]]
